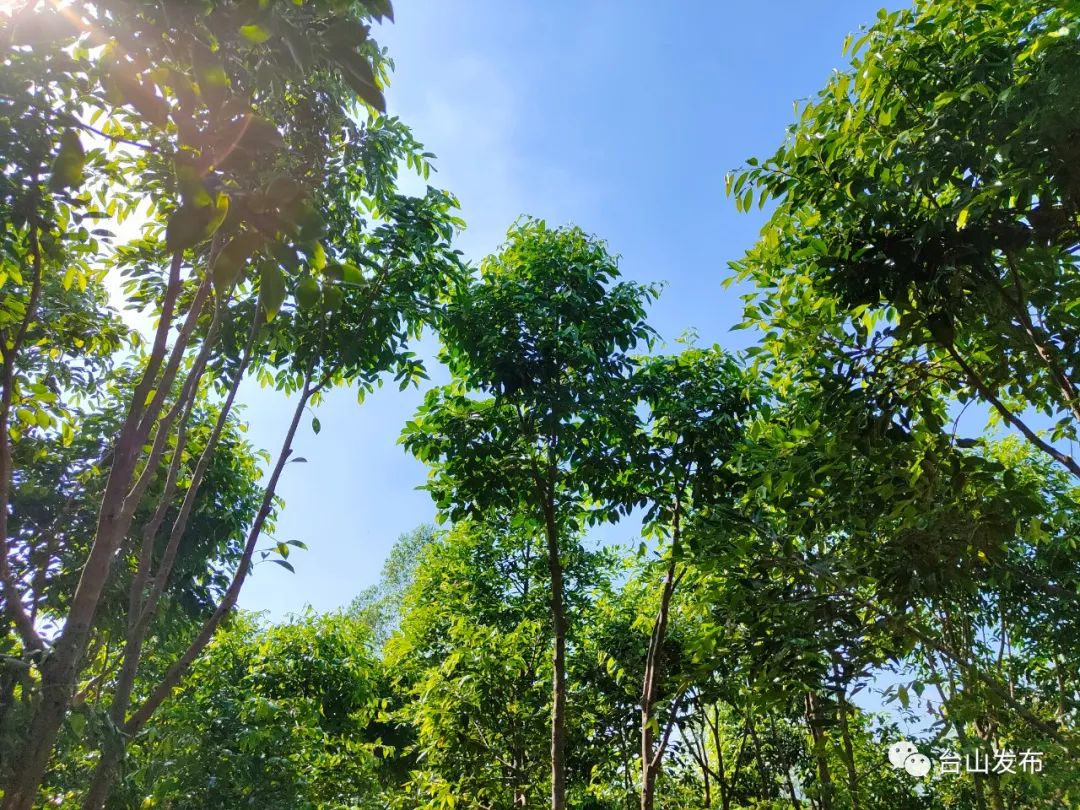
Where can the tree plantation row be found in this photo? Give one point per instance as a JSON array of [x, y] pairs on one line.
[[843, 589]]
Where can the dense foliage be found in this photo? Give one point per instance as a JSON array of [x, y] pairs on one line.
[[831, 556]]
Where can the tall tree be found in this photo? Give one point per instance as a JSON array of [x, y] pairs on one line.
[[921, 257], [927, 216], [254, 260], [538, 345]]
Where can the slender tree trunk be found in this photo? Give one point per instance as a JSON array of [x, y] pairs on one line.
[[520, 749], [736, 765], [651, 755], [700, 751], [59, 670], [558, 621], [763, 769], [815, 717], [721, 771], [849, 751], [648, 775], [721, 777]]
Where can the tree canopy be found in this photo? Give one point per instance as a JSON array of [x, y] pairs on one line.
[[832, 587]]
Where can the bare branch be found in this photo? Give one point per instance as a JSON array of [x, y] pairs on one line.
[[181, 666], [984, 391]]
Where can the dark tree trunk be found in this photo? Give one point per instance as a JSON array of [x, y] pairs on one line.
[[815, 717], [558, 621], [652, 751], [763, 769], [849, 750]]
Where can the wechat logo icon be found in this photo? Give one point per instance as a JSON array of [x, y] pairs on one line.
[[905, 755]]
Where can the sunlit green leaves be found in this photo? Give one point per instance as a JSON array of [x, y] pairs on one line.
[[233, 142], [307, 292], [70, 161], [195, 222], [272, 289], [901, 191], [255, 34], [225, 742]]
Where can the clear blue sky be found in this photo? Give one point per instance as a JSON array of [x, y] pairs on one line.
[[618, 115]]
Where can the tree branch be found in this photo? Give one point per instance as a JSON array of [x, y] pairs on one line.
[[984, 391], [180, 667], [1046, 352], [12, 597]]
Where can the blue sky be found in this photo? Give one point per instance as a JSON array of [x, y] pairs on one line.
[[622, 117]]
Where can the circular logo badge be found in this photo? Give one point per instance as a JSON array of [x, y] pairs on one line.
[[917, 765], [900, 751], [904, 754]]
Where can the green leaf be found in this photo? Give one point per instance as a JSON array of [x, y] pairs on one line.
[[255, 34], [356, 70], [187, 227], [308, 293], [351, 274], [380, 9], [229, 264], [213, 81], [70, 161], [333, 298], [271, 290]]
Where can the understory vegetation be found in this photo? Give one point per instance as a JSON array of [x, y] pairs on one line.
[[858, 532]]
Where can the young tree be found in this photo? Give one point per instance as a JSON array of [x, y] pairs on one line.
[[538, 346], [471, 660], [223, 744], [697, 403]]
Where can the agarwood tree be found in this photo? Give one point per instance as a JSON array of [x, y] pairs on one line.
[[222, 745], [921, 258], [696, 404], [274, 245], [540, 403], [927, 217]]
